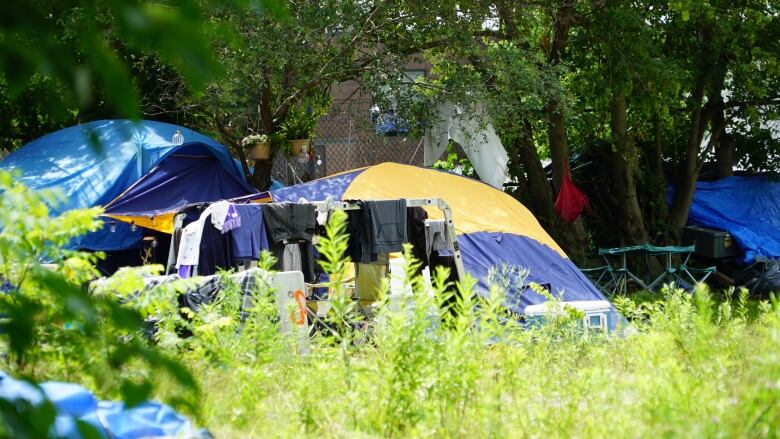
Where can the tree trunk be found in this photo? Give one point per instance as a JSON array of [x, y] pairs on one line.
[[539, 190], [624, 157], [701, 116], [725, 154], [712, 76], [556, 120], [520, 190], [262, 174], [656, 155], [657, 217], [572, 237], [689, 169], [724, 146], [559, 143]]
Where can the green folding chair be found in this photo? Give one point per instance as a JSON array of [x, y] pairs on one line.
[[608, 279]]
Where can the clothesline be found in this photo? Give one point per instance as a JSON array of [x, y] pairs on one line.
[[225, 234]]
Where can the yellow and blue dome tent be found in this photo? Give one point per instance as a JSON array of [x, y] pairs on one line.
[[492, 227]]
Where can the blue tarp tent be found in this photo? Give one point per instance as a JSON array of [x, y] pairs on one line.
[[746, 207], [93, 163], [187, 175]]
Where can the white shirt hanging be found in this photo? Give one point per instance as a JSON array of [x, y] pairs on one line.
[[189, 245], [219, 212]]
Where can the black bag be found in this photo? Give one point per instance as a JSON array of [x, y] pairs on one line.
[[762, 277]]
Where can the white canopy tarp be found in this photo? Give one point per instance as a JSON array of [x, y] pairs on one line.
[[475, 134]]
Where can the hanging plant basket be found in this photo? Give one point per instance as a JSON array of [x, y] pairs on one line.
[[299, 146], [260, 151], [258, 146]]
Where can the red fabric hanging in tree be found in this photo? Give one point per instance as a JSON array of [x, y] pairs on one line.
[[571, 202]]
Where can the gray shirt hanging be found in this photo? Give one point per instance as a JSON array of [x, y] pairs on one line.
[[437, 236], [385, 227]]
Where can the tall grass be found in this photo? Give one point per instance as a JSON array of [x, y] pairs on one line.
[[438, 362], [691, 367]]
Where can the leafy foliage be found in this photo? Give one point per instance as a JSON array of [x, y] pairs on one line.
[[74, 60], [300, 123], [454, 163], [53, 328]]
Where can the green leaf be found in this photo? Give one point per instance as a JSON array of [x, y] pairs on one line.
[[87, 430], [135, 393]]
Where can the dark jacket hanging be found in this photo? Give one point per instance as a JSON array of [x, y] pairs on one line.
[[415, 231], [291, 224]]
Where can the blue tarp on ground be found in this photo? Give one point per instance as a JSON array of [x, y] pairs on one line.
[[746, 207], [109, 419], [93, 163]]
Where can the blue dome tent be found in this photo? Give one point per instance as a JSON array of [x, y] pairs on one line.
[[94, 163]]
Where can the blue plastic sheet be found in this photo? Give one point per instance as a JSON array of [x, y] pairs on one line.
[[387, 123], [110, 419], [746, 207]]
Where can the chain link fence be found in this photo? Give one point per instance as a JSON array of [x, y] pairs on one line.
[[346, 138]]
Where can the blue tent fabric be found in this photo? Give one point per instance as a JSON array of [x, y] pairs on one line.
[[90, 174], [93, 163], [485, 250], [746, 207], [123, 237], [330, 188], [110, 419], [187, 176]]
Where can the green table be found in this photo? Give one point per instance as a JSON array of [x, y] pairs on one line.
[[613, 278]]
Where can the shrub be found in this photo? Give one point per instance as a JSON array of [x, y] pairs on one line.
[[52, 328]]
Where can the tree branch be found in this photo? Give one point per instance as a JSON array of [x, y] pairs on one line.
[[228, 137]]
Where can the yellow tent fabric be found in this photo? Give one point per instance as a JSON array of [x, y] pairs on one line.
[[476, 207], [162, 222]]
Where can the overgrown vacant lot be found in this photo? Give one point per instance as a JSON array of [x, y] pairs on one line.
[[693, 368], [432, 364]]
